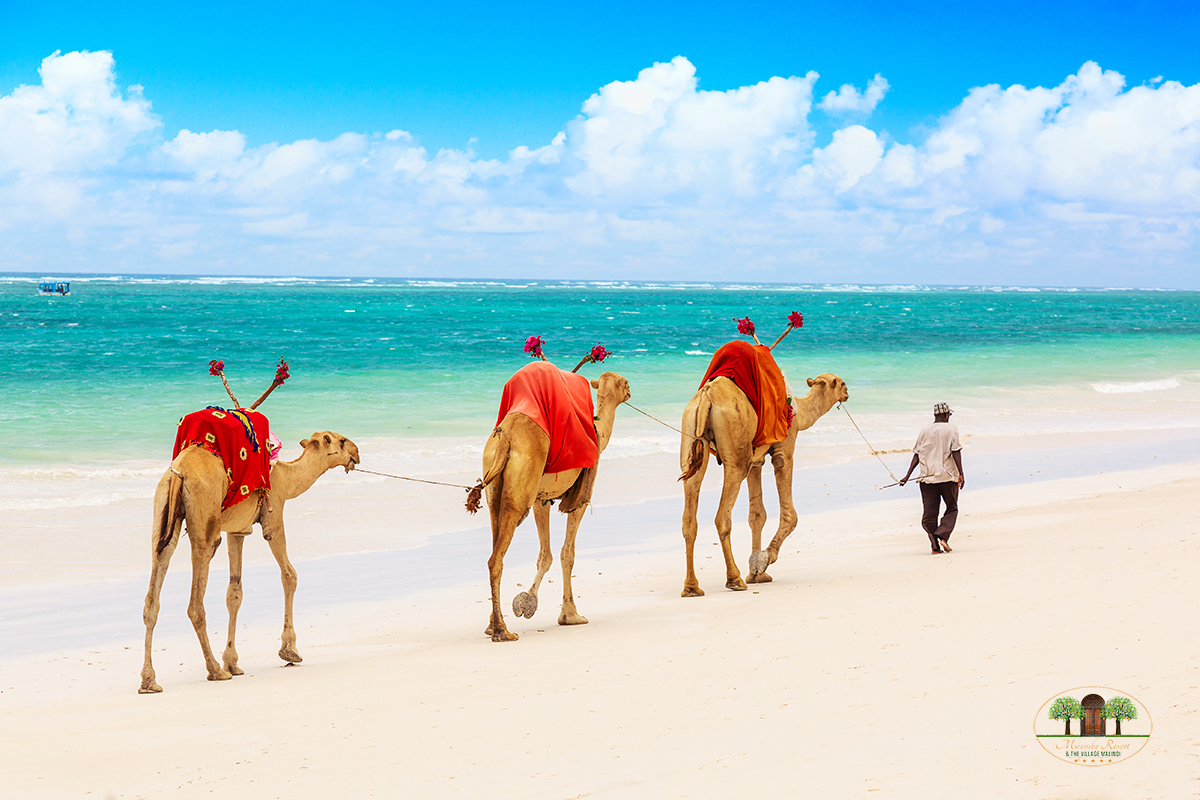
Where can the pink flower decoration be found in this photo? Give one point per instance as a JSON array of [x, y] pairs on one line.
[[599, 353], [281, 372], [796, 319], [745, 326], [216, 367], [533, 346]]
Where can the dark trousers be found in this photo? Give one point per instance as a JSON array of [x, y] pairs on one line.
[[931, 495]]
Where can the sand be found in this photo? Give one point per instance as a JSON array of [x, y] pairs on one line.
[[868, 668]]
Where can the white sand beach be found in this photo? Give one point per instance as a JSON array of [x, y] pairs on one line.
[[868, 668]]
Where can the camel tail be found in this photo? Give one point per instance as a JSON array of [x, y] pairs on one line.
[[170, 512], [499, 460], [699, 433]]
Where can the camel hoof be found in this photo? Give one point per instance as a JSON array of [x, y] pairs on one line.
[[759, 561], [223, 675], [235, 670], [572, 619], [736, 585], [761, 577], [524, 605], [149, 687], [290, 655], [504, 636], [692, 591]]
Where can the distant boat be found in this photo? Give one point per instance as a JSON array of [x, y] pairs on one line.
[[61, 288]]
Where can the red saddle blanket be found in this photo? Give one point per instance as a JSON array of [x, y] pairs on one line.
[[239, 437], [560, 403], [752, 369]]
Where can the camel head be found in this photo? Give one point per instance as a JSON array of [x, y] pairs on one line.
[[335, 448], [831, 387], [611, 390]]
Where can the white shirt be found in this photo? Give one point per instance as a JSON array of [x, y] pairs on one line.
[[934, 445]]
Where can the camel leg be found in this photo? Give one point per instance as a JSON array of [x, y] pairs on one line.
[[494, 491], [734, 476], [287, 574], [569, 614], [691, 502], [525, 604], [757, 519], [784, 463], [233, 600], [517, 493], [158, 572], [204, 547]]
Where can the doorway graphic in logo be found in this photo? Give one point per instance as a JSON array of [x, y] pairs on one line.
[[1092, 726]]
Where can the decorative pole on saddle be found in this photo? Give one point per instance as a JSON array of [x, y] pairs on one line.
[[795, 320], [218, 368], [281, 374], [533, 346], [746, 328], [594, 356]]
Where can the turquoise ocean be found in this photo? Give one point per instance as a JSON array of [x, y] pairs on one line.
[[94, 383], [1045, 384]]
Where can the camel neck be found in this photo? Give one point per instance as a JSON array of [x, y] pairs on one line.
[[293, 478], [605, 416]]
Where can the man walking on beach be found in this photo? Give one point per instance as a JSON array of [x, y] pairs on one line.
[[939, 453]]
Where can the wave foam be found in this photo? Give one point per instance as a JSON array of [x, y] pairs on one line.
[[1140, 386]]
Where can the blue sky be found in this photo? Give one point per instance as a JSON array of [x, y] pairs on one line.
[[468, 84]]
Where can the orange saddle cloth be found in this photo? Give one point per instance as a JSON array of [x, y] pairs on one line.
[[239, 437], [560, 402], [752, 369]]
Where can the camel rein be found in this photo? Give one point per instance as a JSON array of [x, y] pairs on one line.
[[875, 452], [415, 480], [659, 421]]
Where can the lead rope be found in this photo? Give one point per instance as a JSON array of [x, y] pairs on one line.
[[659, 421], [874, 452], [414, 480]]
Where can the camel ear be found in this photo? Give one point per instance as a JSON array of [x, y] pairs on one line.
[[596, 385], [810, 382], [304, 443], [327, 439]]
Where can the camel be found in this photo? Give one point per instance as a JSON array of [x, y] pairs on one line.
[[720, 418], [192, 489], [514, 459]]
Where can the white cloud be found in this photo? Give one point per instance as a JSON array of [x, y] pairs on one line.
[[655, 173], [849, 99], [77, 120]]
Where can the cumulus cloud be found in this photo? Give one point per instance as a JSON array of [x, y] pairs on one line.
[[654, 173], [850, 99], [77, 120]]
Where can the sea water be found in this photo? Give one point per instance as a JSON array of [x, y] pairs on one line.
[[93, 384]]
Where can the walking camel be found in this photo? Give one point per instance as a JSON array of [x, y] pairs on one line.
[[515, 460], [720, 419], [194, 488]]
